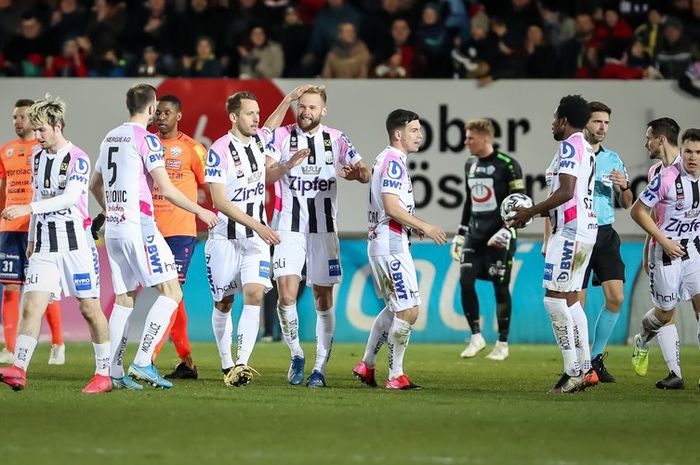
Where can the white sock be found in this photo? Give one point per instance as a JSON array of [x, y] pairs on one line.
[[289, 323], [118, 331], [378, 336], [101, 358], [583, 348], [24, 349], [223, 333], [650, 326], [248, 326], [157, 322], [670, 347], [399, 334], [325, 328], [563, 327]]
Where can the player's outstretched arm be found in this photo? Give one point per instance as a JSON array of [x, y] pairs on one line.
[[274, 171], [357, 172], [641, 215], [393, 208], [175, 196], [276, 117], [564, 193], [66, 200], [221, 203]]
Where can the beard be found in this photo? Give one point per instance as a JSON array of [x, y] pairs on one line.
[[558, 135], [308, 126]]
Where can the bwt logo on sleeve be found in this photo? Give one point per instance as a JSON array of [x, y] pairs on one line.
[[82, 281], [334, 267]]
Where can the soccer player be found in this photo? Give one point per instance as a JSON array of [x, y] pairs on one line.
[[391, 219], [569, 248], [184, 162], [305, 219], [483, 245], [16, 180], [62, 255], [611, 182], [131, 159], [237, 251], [674, 253]]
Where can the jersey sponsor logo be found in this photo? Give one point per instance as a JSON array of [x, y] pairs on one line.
[[173, 164], [82, 281], [334, 267], [692, 213], [255, 177], [566, 261], [311, 170], [242, 194], [394, 170], [517, 184], [391, 184], [681, 227], [296, 183], [483, 195], [154, 145], [81, 166], [213, 161], [487, 170], [665, 298], [80, 179], [548, 271], [397, 280], [279, 264], [264, 269], [567, 153], [153, 255]]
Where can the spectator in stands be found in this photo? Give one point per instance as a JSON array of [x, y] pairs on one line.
[[675, 52], [397, 59], [637, 56], [68, 21], [349, 58], [26, 52], [154, 24], [579, 56], [294, 37], [246, 15], [104, 34], [520, 15], [558, 27], [540, 57], [634, 11], [650, 32], [457, 20], [204, 63], [613, 27], [508, 59], [151, 64], [432, 43], [690, 81], [10, 17], [325, 30], [200, 20], [260, 58], [692, 23], [474, 57], [375, 29], [70, 63], [615, 64]]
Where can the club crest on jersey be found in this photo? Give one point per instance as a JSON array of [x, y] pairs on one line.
[[255, 177], [311, 170], [9, 152], [175, 151]]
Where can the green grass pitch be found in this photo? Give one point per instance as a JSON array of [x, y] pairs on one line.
[[469, 412]]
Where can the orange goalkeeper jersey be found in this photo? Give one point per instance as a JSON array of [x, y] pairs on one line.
[[16, 171], [184, 160]]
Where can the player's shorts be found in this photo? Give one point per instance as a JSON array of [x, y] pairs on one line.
[[320, 252], [233, 263], [488, 263], [395, 280], [606, 262], [565, 264], [13, 257], [182, 248], [672, 280], [75, 273], [137, 261]]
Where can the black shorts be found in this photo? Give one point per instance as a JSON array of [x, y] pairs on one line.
[[606, 261], [182, 248], [488, 263], [13, 257]]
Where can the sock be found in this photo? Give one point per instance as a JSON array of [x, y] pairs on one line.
[[157, 322], [222, 325], [101, 358], [289, 322], [248, 327], [377, 336], [118, 331], [650, 326], [399, 334], [581, 341], [603, 329], [325, 328], [179, 333], [670, 347], [563, 328], [10, 318], [24, 350], [164, 339], [53, 318]]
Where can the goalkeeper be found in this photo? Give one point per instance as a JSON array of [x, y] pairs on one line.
[[484, 246]]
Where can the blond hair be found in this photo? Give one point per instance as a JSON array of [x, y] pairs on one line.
[[482, 126], [50, 110], [318, 90]]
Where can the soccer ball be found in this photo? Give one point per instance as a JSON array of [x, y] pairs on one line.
[[512, 201]]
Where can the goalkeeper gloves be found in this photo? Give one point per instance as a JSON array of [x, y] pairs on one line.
[[501, 240], [97, 224], [456, 248]]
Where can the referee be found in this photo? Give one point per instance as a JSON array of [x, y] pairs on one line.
[[611, 182]]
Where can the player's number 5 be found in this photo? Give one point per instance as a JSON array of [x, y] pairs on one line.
[[112, 166]]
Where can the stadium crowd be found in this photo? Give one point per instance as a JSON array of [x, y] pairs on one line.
[[259, 39]]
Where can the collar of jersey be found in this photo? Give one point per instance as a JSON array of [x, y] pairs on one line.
[[301, 132], [235, 139], [399, 151], [62, 151]]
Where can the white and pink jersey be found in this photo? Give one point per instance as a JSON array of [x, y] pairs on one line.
[[241, 167], [575, 219], [127, 155], [306, 197], [52, 175], [675, 197], [389, 176], [656, 169]]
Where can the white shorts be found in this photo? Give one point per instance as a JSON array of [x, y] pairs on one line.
[[395, 280], [677, 279], [565, 264], [319, 251], [75, 273], [136, 261], [233, 263]]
